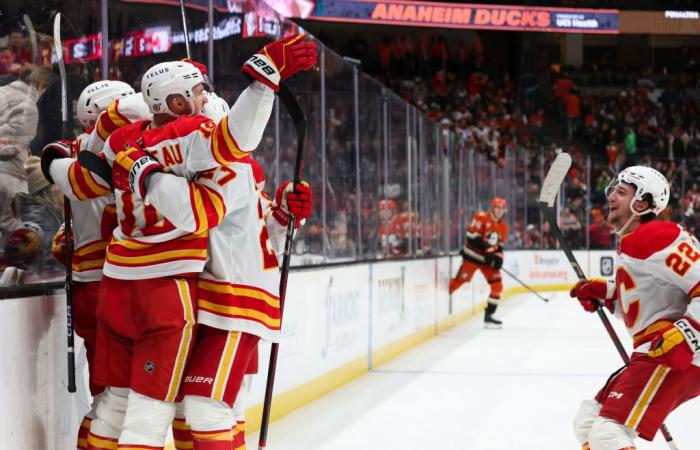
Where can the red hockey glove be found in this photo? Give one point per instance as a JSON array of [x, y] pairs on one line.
[[280, 60], [678, 344], [52, 152], [591, 294], [131, 169], [297, 202], [58, 245], [202, 68]]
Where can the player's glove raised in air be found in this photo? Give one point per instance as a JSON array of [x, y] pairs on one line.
[[131, 169], [280, 60], [592, 294], [296, 201], [678, 344], [52, 152]]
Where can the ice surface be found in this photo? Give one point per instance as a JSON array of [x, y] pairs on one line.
[[475, 389]]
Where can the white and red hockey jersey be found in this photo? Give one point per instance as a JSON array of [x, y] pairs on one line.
[[239, 287], [657, 280], [146, 244], [92, 202]]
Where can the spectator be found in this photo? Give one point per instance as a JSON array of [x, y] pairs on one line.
[[18, 125], [599, 232]]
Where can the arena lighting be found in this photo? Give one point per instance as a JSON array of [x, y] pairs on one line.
[[464, 15], [681, 15]]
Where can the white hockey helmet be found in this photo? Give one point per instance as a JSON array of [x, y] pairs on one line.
[[215, 108], [648, 181], [169, 78], [97, 96]]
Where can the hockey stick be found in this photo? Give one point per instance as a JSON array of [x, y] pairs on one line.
[[550, 188], [66, 206], [96, 165], [184, 29], [525, 285], [32, 39], [290, 102]]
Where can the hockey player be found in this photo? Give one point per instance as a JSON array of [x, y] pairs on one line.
[[656, 293], [92, 227], [238, 299], [483, 251], [158, 259]]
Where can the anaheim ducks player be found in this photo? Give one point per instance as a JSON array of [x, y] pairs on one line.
[[158, 260], [657, 294], [483, 251], [93, 221], [238, 298]]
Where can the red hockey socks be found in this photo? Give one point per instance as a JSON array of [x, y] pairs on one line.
[[182, 435], [213, 440]]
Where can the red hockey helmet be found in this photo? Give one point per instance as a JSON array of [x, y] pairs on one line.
[[499, 201]]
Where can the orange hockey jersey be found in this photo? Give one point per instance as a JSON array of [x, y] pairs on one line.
[[484, 234]]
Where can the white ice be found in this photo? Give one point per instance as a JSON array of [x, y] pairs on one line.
[[475, 389]]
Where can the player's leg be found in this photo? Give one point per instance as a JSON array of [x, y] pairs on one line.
[[638, 400], [464, 275], [110, 368], [182, 435], [239, 413], [85, 325], [583, 422], [493, 277], [109, 419], [165, 308], [211, 386]]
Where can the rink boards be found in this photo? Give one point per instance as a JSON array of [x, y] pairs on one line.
[[339, 322]]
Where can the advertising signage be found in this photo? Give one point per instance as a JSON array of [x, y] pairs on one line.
[[462, 15]]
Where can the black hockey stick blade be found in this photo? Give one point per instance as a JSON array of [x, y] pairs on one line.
[[96, 165]]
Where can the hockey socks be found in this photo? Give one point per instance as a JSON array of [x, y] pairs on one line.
[[213, 440], [182, 435], [83, 433]]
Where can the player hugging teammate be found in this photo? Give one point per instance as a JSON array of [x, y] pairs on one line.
[[189, 282]]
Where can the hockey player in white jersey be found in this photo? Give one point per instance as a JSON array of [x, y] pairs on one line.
[[157, 258], [656, 293], [93, 221], [237, 294]]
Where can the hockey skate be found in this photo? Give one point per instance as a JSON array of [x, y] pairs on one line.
[[489, 321]]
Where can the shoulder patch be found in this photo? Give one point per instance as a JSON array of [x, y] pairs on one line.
[[649, 238]]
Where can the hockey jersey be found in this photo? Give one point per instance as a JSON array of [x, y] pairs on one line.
[[485, 234], [146, 243], [239, 287], [657, 280], [91, 199]]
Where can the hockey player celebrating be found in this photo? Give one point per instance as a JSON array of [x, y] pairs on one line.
[[483, 251], [144, 344], [92, 229], [237, 299], [657, 293]]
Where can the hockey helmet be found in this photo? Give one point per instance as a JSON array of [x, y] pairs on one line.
[[97, 96], [499, 201], [647, 181], [169, 78]]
